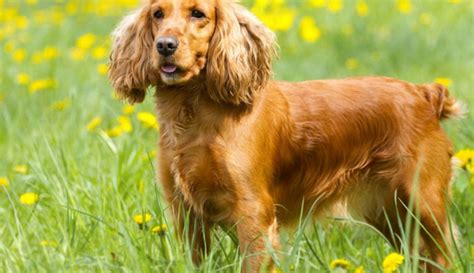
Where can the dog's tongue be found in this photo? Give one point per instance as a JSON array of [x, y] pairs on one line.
[[169, 68]]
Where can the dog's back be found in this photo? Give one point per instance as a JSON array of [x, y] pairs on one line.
[[359, 144]]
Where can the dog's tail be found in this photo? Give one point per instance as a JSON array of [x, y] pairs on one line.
[[445, 106]]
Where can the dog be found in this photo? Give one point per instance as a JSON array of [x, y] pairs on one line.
[[240, 149]]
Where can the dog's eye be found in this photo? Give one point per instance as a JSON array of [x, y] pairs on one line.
[[159, 14], [197, 14]]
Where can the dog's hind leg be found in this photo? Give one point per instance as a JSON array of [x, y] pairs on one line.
[[435, 175], [417, 200]]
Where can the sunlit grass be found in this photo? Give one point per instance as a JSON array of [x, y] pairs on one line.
[[90, 159]]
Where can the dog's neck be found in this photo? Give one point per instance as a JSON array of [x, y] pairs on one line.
[[185, 111], [192, 97]]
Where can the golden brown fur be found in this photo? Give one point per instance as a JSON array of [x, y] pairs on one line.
[[237, 148]]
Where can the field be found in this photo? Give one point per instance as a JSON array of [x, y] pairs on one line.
[[77, 168]]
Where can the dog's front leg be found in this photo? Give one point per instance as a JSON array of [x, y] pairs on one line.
[[190, 228], [198, 233], [258, 234]]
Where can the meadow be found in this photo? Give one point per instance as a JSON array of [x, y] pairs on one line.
[[77, 168]]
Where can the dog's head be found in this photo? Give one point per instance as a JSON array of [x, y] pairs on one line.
[[178, 42]]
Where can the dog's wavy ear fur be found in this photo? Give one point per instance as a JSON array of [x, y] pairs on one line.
[[240, 55], [129, 67]]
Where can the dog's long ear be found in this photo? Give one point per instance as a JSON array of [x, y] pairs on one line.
[[129, 68], [239, 56]]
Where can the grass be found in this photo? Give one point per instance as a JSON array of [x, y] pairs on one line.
[[90, 185]]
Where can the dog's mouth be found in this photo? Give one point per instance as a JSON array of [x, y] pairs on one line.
[[169, 68], [172, 73]]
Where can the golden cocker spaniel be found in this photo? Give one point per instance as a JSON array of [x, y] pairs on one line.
[[237, 148]]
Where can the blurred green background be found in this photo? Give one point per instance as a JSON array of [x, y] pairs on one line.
[[77, 165]]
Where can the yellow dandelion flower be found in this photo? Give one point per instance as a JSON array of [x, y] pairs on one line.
[[22, 79], [71, 8], [341, 263], [21, 169], [57, 17], [19, 55], [359, 269], [49, 243], [318, 3], [392, 262], [29, 198], [142, 218], [362, 8], [61, 105], [125, 123], [93, 124], [99, 53], [141, 186], [160, 230], [465, 156], [276, 270], [470, 168], [147, 119], [37, 57], [280, 19], [8, 31], [50, 53], [128, 109], [266, 19], [4, 182], [42, 84], [149, 155], [335, 6], [9, 14], [164, 227], [86, 41], [102, 69], [444, 81], [261, 4], [308, 29], [78, 54], [114, 132], [21, 22], [352, 63], [404, 6]]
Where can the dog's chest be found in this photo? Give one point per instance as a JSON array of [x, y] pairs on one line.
[[196, 164], [201, 183]]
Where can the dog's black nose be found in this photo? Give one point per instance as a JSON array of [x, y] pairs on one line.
[[167, 45]]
